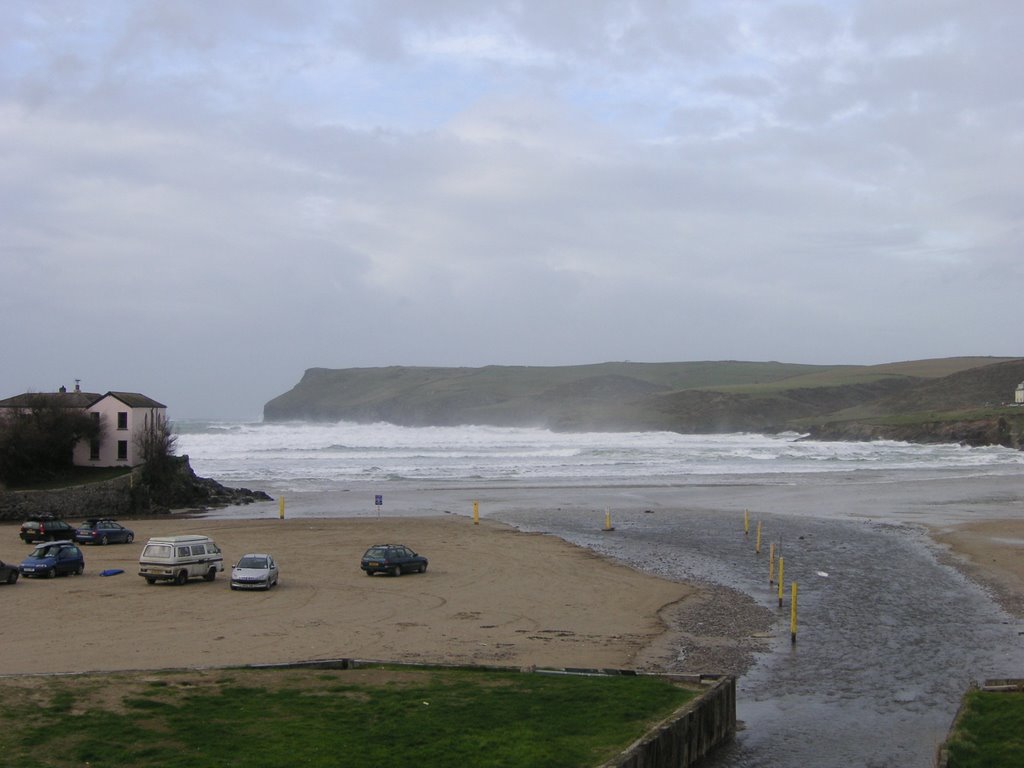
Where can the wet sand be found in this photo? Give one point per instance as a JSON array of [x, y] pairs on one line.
[[991, 553]]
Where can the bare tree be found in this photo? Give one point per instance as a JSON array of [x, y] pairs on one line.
[[156, 445]]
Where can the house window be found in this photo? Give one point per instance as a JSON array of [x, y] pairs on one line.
[[122, 450], [94, 450], [122, 419]]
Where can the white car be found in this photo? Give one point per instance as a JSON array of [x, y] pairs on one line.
[[256, 570]]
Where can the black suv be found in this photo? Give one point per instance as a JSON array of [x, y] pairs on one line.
[[46, 528]]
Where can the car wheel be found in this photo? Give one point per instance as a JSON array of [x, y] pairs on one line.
[[423, 568], [369, 573], [129, 539], [104, 541], [396, 571], [150, 581], [181, 578], [12, 577], [233, 587], [80, 569], [210, 575], [51, 573]]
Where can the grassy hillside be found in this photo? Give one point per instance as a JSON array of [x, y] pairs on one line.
[[503, 394], [685, 397]]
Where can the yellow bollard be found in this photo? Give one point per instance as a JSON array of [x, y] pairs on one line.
[[746, 522], [780, 580], [608, 520], [771, 564], [280, 508], [476, 513], [792, 616], [757, 547]]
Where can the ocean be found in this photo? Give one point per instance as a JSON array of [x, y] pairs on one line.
[[301, 458]]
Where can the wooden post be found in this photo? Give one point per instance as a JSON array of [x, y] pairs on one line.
[[608, 520], [792, 616]]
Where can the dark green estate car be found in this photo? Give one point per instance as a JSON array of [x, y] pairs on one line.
[[45, 528], [394, 559]]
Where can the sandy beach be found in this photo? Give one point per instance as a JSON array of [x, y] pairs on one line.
[[991, 552], [492, 595]]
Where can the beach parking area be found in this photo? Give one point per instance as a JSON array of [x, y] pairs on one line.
[[491, 595]]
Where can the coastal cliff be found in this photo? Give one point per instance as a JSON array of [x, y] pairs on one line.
[[962, 400]]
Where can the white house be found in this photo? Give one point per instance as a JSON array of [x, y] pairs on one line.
[[1018, 396], [123, 416]]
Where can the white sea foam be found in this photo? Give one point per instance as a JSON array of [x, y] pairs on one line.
[[324, 456]]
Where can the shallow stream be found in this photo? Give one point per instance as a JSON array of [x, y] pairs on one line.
[[888, 636]]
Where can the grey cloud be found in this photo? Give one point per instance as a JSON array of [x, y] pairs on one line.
[[227, 194]]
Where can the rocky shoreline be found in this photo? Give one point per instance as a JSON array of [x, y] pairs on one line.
[[189, 491], [1006, 432]]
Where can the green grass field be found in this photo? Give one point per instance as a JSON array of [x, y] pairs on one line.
[[990, 731], [76, 476], [275, 717]]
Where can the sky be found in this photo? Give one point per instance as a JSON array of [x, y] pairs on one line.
[[199, 201]]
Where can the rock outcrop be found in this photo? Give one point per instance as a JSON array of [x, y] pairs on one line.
[[1007, 432]]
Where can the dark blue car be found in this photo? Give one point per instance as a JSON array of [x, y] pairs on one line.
[[393, 559], [52, 558], [102, 531]]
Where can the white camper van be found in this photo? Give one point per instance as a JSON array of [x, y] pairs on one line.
[[180, 558]]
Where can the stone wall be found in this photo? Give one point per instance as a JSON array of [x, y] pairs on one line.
[[692, 732], [111, 498]]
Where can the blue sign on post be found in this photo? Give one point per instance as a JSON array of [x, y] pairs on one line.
[[378, 499]]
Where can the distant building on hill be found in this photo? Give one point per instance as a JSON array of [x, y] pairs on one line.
[[1018, 396], [123, 417]]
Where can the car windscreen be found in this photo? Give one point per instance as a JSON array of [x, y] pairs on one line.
[[252, 562]]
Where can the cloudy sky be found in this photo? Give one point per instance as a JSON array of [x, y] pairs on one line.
[[199, 200]]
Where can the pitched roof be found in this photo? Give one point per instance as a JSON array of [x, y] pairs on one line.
[[76, 400], [51, 399], [134, 400]]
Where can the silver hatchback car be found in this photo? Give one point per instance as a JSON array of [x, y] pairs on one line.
[[256, 570]]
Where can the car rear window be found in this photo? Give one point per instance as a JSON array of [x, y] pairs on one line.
[[157, 550]]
